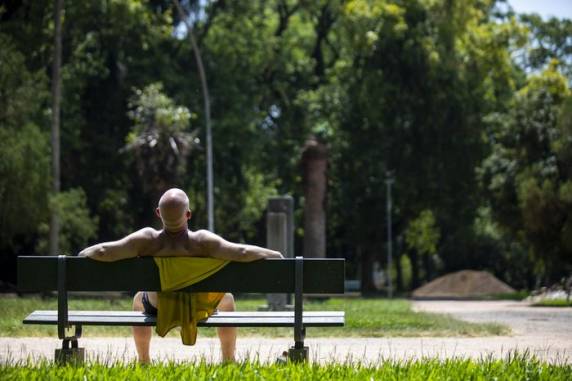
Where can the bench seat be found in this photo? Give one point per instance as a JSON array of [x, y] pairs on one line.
[[220, 319]]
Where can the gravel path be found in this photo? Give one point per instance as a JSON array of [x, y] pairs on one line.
[[542, 323], [543, 332]]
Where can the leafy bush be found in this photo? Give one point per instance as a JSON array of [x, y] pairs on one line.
[[77, 226]]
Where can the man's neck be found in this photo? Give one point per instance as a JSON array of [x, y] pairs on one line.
[[175, 230]]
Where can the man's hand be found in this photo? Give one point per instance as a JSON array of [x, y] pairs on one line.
[[127, 247], [216, 247]]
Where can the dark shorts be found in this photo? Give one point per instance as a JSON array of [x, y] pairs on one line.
[[148, 308]]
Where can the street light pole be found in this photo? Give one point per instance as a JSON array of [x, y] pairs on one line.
[[206, 99], [389, 181]]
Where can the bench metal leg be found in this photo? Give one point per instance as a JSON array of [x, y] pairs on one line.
[[73, 354], [299, 352], [67, 355]]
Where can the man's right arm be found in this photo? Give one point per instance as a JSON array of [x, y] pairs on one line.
[[217, 247], [127, 247]]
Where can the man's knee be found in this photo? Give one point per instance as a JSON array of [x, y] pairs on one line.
[[138, 302], [227, 303]]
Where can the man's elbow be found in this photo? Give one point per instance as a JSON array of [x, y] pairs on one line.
[[257, 254], [247, 255], [97, 253], [276, 254]]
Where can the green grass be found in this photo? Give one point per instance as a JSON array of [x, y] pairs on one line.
[[517, 295], [553, 303], [364, 318], [515, 368]]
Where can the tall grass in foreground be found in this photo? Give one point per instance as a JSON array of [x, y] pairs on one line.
[[517, 367]]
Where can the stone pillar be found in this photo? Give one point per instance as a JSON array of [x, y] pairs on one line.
[[280, 237], [314, 164]]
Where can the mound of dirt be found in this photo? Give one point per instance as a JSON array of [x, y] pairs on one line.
[[467, 284]]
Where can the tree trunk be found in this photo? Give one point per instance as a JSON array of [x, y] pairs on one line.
[[414, 269], [314, 163], [428, 265], [55, 138], [366, 257], [398, 272]]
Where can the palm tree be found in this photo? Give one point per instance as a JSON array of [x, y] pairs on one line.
[[158, 140]]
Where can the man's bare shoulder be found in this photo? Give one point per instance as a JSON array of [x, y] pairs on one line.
[[203, 236], [146, 233]]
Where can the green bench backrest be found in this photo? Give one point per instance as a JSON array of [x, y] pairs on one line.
[[40, 273]]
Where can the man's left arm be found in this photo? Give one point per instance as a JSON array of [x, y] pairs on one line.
[[217, 247]]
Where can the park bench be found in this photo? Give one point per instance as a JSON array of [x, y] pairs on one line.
[[294, 275]]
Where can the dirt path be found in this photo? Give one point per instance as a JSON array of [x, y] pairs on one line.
[[543, 332], [542, 323]]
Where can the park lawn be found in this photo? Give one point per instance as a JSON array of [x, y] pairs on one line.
[[553, 303], [364, 318], [517, 367]]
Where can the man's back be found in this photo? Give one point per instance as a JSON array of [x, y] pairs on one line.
[[161, 243], [175, 239]]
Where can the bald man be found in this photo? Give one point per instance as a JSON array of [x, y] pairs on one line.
[[176, 240]]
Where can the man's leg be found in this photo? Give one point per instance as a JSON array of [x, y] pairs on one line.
[[227, 335], [141, 335]]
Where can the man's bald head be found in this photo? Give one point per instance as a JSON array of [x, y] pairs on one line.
[[174, 208]]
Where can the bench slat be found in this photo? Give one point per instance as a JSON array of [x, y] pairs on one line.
[[221, 319], [321, 275], [236, 314]]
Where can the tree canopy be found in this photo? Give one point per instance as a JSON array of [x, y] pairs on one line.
[[468, 105]]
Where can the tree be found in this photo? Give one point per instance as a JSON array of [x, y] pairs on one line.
[[159, 141], [24, 155], [422, 237], [77, 226], [55, 140], [527, 175], [421, 88], [417, 78], [549, 42]]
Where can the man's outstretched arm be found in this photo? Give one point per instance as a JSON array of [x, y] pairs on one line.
[[217, 247], [127, 247]]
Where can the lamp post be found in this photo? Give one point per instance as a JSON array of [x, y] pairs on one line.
[[206, 99], [388, 182]]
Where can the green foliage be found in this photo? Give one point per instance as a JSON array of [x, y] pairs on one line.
[[416, 78], [550, 43], [428, 89], [516, 366], [24, 149], [159, 141], [24, 169], [152, 112], [423, 234], [527, 176], [77, 226], [114, 209]]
